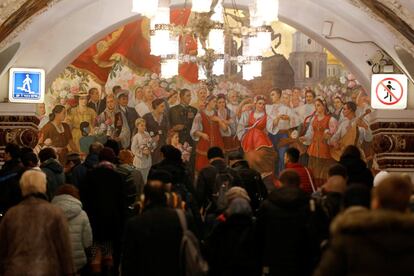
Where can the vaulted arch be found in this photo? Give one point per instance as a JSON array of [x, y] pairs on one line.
[[54, 38]]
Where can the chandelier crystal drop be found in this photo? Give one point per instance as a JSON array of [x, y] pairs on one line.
[[267, 11], [211, 26], [147, 8], [201, 6], [216, 40], [160, 33], [169, 68], [218, 15]]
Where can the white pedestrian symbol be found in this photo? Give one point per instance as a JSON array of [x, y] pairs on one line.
[[26, 85]]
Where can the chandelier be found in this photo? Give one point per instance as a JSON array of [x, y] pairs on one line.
[[209, 27]]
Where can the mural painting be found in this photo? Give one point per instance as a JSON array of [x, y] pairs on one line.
[[305, 98]]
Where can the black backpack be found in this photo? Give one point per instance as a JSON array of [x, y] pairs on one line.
[[192, 262], [223, 182]]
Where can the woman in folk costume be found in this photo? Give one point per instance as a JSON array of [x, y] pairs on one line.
[[321, 128], [208, 130], [231, 143], [252, 133]]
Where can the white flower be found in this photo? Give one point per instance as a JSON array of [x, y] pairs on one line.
[[154, 76], [63, 94]]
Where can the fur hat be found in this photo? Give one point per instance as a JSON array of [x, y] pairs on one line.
[[237, 192]]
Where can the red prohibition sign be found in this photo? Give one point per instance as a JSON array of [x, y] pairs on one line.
[[381, 83]]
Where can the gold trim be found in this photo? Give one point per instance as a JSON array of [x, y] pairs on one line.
[[103, 45]]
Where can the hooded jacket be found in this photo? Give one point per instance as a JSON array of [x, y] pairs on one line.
[[357, 171], [369, 243], [79, 172], [54, 175], [79, 228], [103, 197], [231, 249], [283, 225], [252, 182]]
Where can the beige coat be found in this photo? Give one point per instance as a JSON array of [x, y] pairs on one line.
[[34, 240]]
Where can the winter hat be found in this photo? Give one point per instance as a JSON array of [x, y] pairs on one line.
[[379, 177], [107, 154], [237, 192], [357, 195], [215, 152], [238, 206]]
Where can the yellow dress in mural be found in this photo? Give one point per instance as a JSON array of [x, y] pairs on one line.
[[76, 117]]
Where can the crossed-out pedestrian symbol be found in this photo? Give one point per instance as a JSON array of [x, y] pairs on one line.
[[389, 91]]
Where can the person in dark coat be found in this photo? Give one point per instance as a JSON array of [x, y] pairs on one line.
[[182, 117], [357, 169], [152, 239], [34, 235], [95, 101], [173, 164], [231, 249], [181, 120], [157, 124], [73, 160], [133, 181], [92, 160], [50, 165], [326, 204], [252, 181], [10, 174], [181, 181], [378, 242], [283, 227], [103, 197], [130, 113], [207, 179], [12, 162]]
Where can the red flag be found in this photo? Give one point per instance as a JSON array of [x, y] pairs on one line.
[[131, 42]]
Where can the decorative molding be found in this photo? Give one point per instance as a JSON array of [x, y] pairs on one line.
[[21, 130], [397, 9], [393, 144], [8, 7], [20, 14]]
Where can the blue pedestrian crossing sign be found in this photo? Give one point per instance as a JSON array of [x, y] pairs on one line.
[[26, 85]]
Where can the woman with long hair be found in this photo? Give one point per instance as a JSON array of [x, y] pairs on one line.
[[252, 133], [57, 134], [321, 128], [208, 130], [338, 105], [231, 143]]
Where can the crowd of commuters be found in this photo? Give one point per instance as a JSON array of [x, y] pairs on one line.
[[98, 216]]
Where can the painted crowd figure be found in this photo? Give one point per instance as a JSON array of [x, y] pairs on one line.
[[252, 133], [208, 130], [261, 131]]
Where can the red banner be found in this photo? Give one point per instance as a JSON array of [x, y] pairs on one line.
[[131, 42]]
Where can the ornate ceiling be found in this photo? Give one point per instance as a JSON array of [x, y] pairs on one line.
[[389, 22], [397, 13]]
